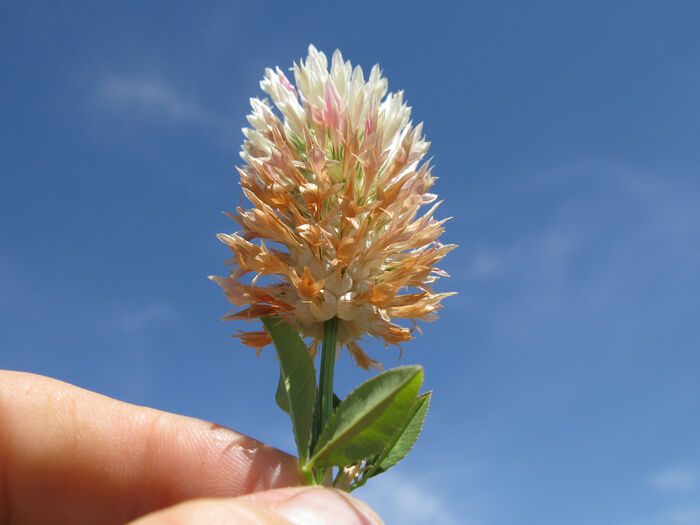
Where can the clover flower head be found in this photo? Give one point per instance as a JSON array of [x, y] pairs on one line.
[[335, 176]]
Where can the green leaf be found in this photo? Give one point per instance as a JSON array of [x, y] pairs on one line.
[[297, 386], [364, 423], [281, 395], [404, 439]]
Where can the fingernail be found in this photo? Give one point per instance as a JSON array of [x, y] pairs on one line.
[[321, 506]]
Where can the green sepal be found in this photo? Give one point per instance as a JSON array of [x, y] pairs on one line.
[[297, 387], [365, 422]]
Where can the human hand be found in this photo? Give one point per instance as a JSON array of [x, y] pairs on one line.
[[72, 456]]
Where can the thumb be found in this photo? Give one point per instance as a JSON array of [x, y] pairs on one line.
[[289, 506]]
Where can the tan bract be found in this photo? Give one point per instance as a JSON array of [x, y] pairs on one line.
[[336, 186]]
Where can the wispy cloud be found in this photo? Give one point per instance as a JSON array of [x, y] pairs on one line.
[[679, 478], [153, 98], [607, 235], [673, 515], [487, 264], [684, 516], [401, 499], [141, 318]]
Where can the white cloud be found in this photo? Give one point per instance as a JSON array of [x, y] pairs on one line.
[[607, 235], [688, 515], [415, 501], [153, 98], [134, 98], [675, 479], [486, 264], [675, 515], [143, 317]]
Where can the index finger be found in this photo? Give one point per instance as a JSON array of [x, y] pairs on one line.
[[68, 455]]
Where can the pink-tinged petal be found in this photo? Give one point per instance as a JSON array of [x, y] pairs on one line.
[[332, 114], [286, 83], [371, 120]]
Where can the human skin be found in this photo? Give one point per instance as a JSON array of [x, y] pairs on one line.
[[71, 456]]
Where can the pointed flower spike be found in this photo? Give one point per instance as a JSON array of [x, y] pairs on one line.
[[334, 170]]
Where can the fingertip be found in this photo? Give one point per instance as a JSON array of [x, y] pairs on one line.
[[324, 506], [289, 506], [219, 511]]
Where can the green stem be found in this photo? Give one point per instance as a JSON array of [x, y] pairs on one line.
[[325, 379], [324, 401], [308, 475]]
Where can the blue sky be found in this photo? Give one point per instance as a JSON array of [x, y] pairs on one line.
[[565, 138]]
